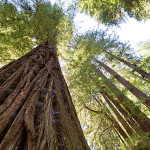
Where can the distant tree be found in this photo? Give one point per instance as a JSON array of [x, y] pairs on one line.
[[139, 94], [133, 66], [98, 64]]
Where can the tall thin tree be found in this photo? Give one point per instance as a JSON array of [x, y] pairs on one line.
[[139, 94], [133, 66], [144, 123]]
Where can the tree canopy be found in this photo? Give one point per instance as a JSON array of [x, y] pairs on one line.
[[108, 81], [25, 24], [113, 12], [87, 87]]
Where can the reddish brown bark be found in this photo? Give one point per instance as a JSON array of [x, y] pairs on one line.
[[114, 122], [143, 121], [119, 135], [36, 110], [116, 103], [139, 94], [118, 127], [122, 110], [140, 71], [120, 118]]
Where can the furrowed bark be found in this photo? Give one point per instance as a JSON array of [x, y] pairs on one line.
[[139, 94], [138, 116], [140, 71], [36, 109], [8, 70]]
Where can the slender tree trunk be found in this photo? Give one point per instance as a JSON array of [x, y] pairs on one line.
[[139, 94], [143, 122], [122, 111], [116, 103], [118, 127], [119, 135], [114, 121], [36, 110], [120, 118], [139, 76], [140, 71]]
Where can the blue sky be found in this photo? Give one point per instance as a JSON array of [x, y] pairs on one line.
[[132, 31]]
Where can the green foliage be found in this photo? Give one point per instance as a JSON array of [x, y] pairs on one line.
[[84, 83], [138, 141], [112, 12], [39, 23], [25, 24], [144, 50]]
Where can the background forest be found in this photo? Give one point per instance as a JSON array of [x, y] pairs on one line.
[[108, 80]]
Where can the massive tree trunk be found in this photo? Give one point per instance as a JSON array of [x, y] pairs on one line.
[[139, 94], [138, 116], [140, 71], [36, 110]]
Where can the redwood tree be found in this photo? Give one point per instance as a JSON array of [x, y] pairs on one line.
[[144, 123], [36, 109], [92, 86], [133, 66], [139, 94]]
